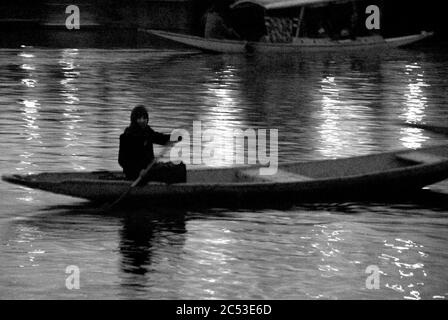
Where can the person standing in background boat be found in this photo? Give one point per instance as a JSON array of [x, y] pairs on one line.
[[216, 22], [136, 150]]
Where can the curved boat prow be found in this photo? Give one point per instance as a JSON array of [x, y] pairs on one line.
[[407, 40], [17, 179]]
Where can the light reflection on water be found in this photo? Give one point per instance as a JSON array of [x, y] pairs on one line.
[[222, 113], [343, 122], [64, 110], [414, 107]]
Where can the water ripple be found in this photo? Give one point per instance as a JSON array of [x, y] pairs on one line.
[[65, 109]]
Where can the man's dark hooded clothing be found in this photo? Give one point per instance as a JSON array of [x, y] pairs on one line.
[[136, 149]]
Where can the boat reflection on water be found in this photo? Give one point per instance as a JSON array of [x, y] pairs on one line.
[[164, 253], [90, 240], [143, 238]]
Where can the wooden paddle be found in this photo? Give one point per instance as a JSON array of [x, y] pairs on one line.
[[143, 174]]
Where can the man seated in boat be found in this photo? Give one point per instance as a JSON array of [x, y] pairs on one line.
[[136, 151], [216, 22]]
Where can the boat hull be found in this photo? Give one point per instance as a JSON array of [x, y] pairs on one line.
[[298, 46], [326, 180]]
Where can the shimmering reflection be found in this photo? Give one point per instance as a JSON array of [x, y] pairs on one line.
[[342, 125], [72, 119], [30, 112], [29, 67], [414, 106], [30, 108], [404, 261], [213, 252], [327, 249], [65, 109], [25, 241], [222, 115]]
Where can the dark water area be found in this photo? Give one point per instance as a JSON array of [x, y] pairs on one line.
[[63, 109], [115, 24], [130, 37]]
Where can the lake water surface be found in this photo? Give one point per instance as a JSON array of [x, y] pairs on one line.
[[63, 109]]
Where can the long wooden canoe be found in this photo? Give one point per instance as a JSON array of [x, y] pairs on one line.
[[297, 46], [339, 179]]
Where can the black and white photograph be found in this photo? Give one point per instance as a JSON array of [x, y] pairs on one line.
[[234, 152]]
